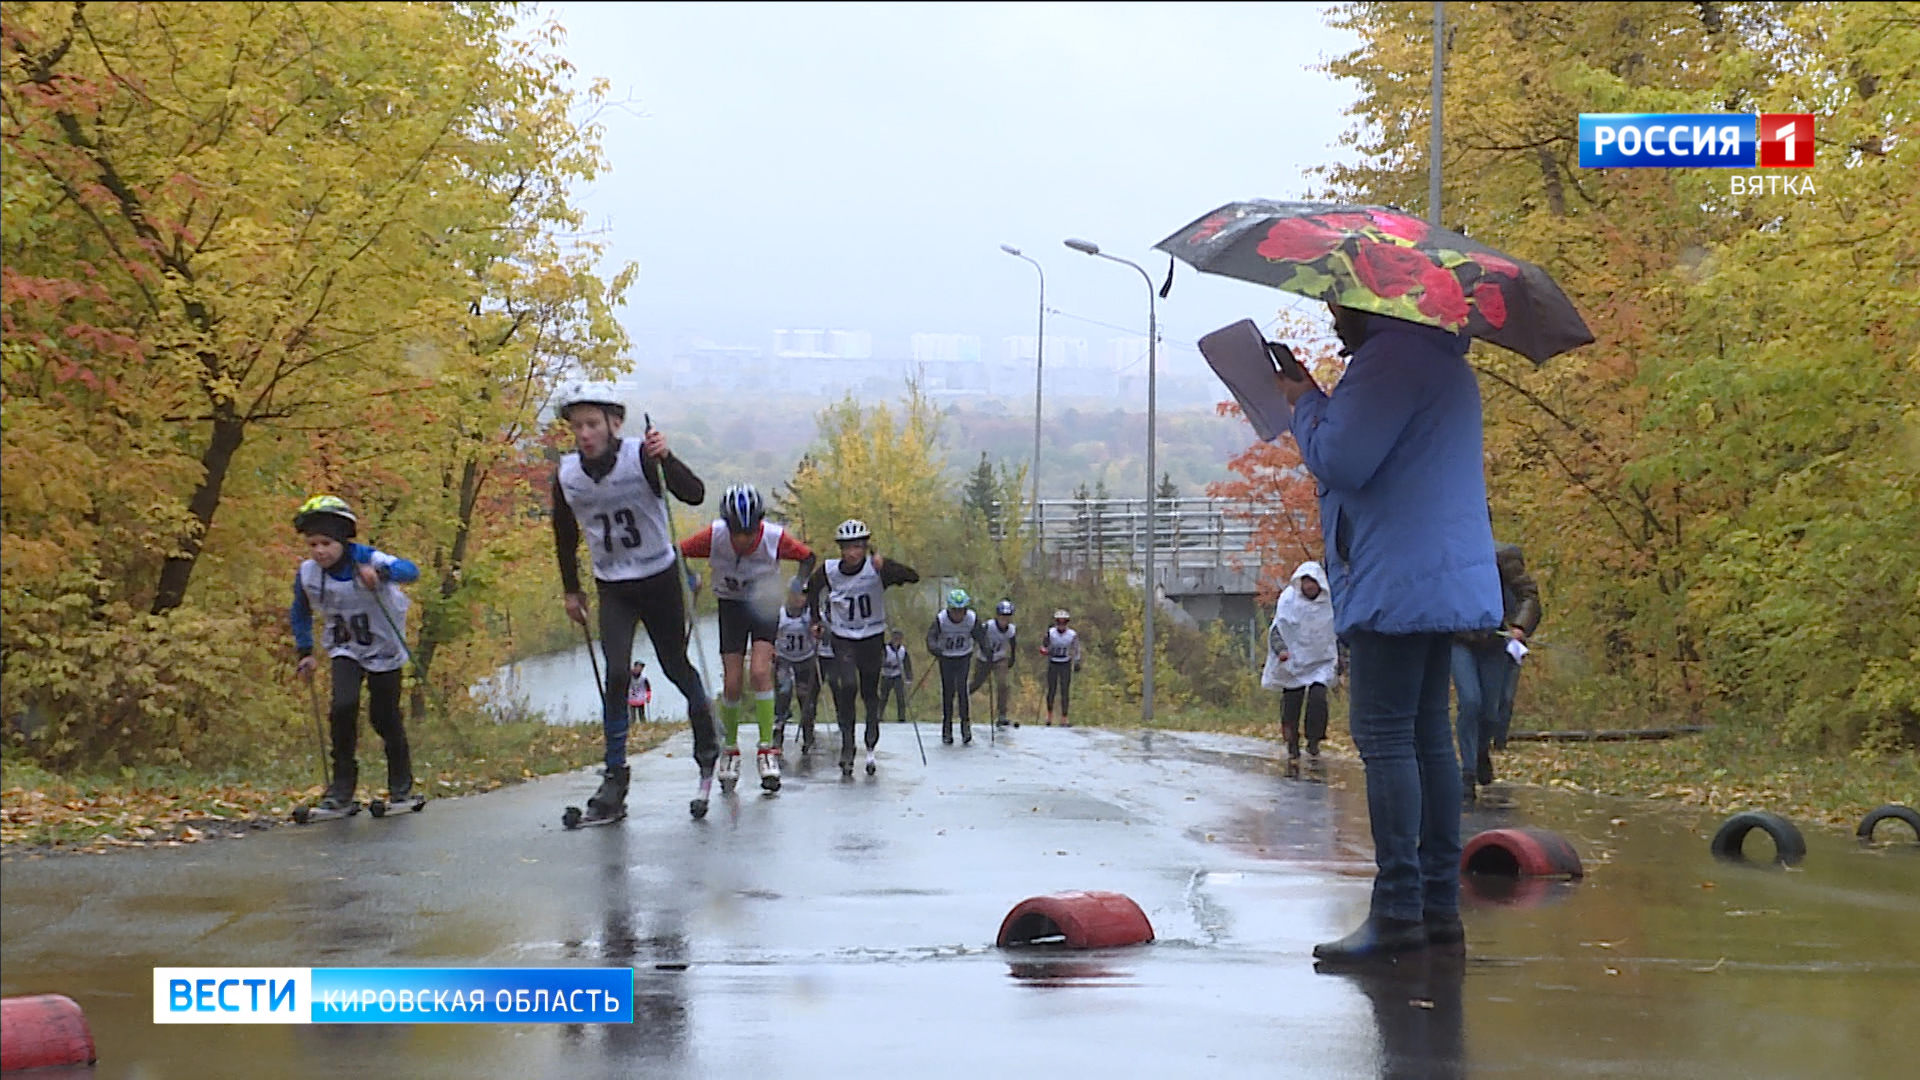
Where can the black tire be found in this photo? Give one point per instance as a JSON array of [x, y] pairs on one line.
[[302, 815], [698, 808], [1889, 812], [1789, 846], [570, 818], [378, 808]]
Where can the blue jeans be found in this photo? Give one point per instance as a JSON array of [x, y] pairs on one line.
[[1398, 716], [1480, 680], [1505, 720]]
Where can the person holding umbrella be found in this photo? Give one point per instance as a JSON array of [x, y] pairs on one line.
[[1397, 452]]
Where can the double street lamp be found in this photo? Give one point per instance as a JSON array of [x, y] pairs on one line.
[[1087, 247]]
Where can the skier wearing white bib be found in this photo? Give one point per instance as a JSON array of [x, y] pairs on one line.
[[617, 489], [955, 633], [997, 654], [1062, 650], [796, 671], [853, 590], [353, 589], [743, 551], [896, 674]]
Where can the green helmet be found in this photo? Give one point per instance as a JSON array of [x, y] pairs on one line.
[[958, 598], [327, 515]]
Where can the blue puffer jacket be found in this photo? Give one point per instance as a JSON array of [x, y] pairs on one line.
[[1403, 494]]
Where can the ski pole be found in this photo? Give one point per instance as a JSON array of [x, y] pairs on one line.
[[599, 684], [916, 724], [414, 663], [686, 599]]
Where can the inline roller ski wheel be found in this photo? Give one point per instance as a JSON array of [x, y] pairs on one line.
[[697, 807]]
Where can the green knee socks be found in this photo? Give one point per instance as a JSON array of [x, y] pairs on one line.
[[763, 712]]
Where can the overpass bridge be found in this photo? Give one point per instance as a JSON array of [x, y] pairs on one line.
[[1203, 558]]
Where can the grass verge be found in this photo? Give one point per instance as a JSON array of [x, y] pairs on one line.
[[41, 811]]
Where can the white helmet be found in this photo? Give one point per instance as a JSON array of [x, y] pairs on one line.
[[1062, 614], [601, 394], [852, 529]]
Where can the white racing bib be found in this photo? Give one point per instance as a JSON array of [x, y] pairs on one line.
[[623, 521], [794, 640], [999, 642], [956, 638], [1060, 645], [352, 622], [741, 577], [856, 603], [893, 662]]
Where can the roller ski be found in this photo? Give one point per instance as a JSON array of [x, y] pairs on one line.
[[698, 805], [769, 761], [728, 770], [607, 806], [335, 804], [398, 801]]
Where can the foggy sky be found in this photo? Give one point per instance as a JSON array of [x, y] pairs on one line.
[[858, 166]]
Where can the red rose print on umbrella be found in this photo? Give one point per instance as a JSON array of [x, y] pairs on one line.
[[1297, 240], [1388, 270], [1441, 298], [1491, 303]]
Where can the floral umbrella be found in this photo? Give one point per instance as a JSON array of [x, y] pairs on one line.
[[1374, 258]]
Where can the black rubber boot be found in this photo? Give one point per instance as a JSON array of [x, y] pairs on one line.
[[1378, 939], [1446, 932], [1485, 765], [1291, 730]]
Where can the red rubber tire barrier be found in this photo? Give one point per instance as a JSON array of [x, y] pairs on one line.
[[1081, 920], [1521, 853], [43, 1031]]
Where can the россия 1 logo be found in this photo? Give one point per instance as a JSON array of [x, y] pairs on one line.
[[1696, 140]]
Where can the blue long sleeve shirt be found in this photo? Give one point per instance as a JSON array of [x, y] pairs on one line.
[[399, 571]]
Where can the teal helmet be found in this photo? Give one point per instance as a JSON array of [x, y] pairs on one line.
[[958, 598]]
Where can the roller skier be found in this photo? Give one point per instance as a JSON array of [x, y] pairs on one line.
[[853, 590], [743, 552], [998, 651], [896, 674], [952, 639], [617, 487], [354, 590], [796, 671], [1062, 650]]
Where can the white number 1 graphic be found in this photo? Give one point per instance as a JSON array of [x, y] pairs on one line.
[[1785, 135]]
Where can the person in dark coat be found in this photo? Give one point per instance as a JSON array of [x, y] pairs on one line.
[[1484, 668], [1397, 453]]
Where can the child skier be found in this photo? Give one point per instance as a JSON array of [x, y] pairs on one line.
[[1062, 650], [617, 487], [354, 589], [996, 659], [896, 674], [796, 672], [955, 633], [639, 693], [853, 588], [743, 552], [1302, 657]]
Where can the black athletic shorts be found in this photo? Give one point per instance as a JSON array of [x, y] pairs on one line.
[[739, 622]]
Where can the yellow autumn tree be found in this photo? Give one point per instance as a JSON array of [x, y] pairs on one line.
[[1717, 494]]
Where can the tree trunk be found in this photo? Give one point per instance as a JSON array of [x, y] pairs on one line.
[[434, 629], [228, 431]]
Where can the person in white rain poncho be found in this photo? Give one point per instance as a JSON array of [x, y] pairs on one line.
[[1302, 657]]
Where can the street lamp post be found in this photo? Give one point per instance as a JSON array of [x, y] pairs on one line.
[[1087, 247], [1039, 355]]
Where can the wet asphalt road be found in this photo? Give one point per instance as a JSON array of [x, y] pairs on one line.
[[846, 929]]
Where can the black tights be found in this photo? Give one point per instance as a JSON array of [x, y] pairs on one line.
[[953, 690], [859, 660], [383, 710], [1059, 677], [657, 602]]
